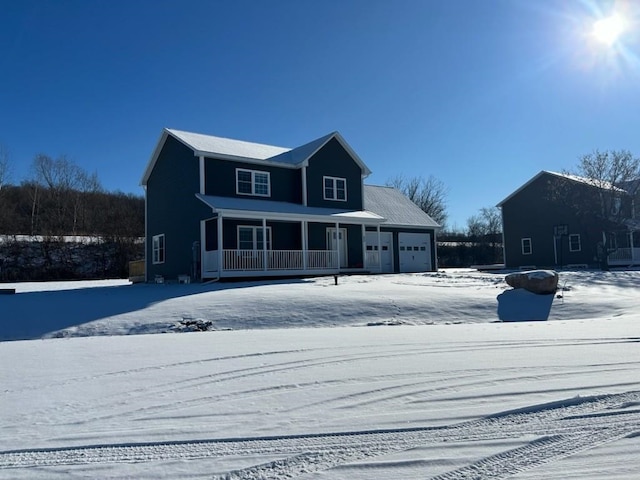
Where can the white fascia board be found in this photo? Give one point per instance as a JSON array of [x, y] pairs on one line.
[[247, 214], [421, 227], [254, 161], [154, 157]]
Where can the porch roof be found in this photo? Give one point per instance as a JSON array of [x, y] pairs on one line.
[[258, 208]]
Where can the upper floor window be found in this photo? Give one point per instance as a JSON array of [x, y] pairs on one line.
[[574, 242], [526, 246], [335, 188], [158, 248], [253, 182]]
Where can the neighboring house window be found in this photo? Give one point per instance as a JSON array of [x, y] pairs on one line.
[[335, 188], [526, 246], [574, 242], [251, 238], [158, 248], [253, 182]]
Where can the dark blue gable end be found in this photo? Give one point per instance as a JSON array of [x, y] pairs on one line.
[[173, 210], [332, 160]]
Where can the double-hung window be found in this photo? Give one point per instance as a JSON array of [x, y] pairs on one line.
[[253, 182], [252, 238], [574, 242], [335, 188], [158, 248], [526, 246]]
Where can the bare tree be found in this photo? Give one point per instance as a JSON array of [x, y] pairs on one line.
[[615, 174], [430, 194], [61, 185], [485, 229], [5, 166]]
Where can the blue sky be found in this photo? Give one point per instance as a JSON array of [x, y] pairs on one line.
[[480, 94]]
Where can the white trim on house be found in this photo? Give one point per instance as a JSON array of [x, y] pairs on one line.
[[254, 237], [202, 177], [253, 182], [334, 188], [159, 249], [522, 243], [579, 247]]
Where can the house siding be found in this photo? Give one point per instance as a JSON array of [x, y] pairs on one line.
[[333, 160], [220, 180], [532, 213], [173, 210]]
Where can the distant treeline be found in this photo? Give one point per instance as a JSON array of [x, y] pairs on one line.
[[36, 222], [34, 209]]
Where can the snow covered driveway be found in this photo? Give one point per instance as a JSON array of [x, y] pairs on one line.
[[528, 400]]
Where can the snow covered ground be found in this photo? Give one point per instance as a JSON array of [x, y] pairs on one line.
[[425, 382]]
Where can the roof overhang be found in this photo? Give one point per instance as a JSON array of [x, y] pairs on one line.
[[272, 210]]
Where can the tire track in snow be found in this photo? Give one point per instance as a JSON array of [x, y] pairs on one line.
[[564, 427]]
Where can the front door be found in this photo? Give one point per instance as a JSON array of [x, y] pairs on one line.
[[338, 242]]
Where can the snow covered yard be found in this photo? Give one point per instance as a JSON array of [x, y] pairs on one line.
[[426, 383]]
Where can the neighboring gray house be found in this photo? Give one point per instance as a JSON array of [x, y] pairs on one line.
[[548, 222], [211, 202]]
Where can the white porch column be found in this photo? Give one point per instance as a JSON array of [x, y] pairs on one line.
[[631, 245], [304, 185], [379, 248], [220, 246], [202, 182], [305, 244], [338, 243], [364, 246], [264, 244]]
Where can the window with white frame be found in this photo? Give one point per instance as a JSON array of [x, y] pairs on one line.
[[251, 237], [574, 242], [526, 246], [335, 188], [158, 248], [253, 182]]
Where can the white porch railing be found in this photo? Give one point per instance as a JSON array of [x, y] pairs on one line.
[[254, 260], [624, 256]]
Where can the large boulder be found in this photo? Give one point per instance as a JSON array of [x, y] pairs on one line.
[[541, 282]]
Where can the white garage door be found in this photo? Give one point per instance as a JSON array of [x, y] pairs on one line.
[[415, 252], [386, 250]]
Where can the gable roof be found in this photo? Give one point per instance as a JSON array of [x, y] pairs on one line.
[[395, 208], [574, 178], [249, 152]]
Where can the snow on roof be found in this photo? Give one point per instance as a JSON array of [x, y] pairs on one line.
[[395, 207], [208, 144], [227, 148], [575, 178], [285, 209]]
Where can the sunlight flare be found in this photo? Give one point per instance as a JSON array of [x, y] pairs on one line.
[[608, 30]]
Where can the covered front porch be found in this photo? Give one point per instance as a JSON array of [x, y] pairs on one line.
[[626, 250], [309, 241]]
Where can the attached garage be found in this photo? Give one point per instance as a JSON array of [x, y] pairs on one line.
[[407, 235], [414, 252], [386, 249]]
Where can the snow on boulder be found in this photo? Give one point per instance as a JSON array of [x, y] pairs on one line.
[[541, 282]]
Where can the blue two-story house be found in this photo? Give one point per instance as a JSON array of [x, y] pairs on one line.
[[223, 208]]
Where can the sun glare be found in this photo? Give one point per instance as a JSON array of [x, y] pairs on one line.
[[609, 29]]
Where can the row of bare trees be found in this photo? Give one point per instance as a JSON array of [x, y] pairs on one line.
[[62, 199], [58, 200]]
